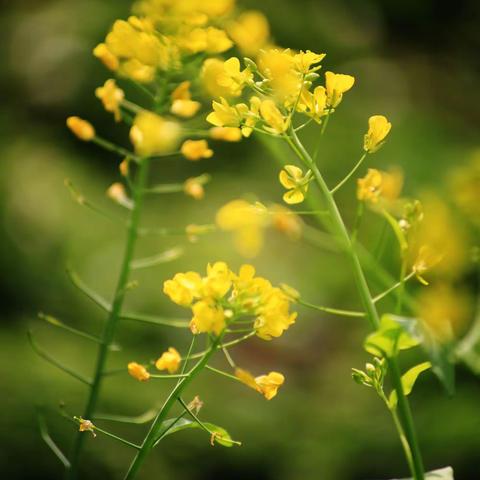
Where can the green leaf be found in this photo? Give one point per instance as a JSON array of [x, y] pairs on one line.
[[441, 474], [394, 334], [222, 437], [408, 381]]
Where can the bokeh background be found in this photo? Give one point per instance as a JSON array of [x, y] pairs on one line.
[[416, 62]]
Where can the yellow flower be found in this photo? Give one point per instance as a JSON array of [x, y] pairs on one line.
[[304, 61], [293, 178], [313, 104], [182, 103], [224, 115], [212, 71], [207, 317], [102, 52], [369, 188], [210, 40], [378, 128], [273, 117], [137, 71], [111, 97], [81, 128], [194, 188], [138, 371], [169, 360], [196, 149], [227, 134], [233, 78], [152, 134], [267, 385], [337, 84], [183, 288], [250, 31], [218, 280], [117, 193], [246, 222]]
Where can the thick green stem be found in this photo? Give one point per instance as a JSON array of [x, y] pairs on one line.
[[341, 232], [114, 316], [155, 430]]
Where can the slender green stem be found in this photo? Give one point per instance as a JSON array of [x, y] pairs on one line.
[[155, 430], [349, 175], [343, 237], [114, 314], [333, 311], [111, 147]]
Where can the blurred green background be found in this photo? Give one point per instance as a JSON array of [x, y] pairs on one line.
[[414, 61]]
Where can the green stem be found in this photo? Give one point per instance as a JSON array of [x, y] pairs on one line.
[[345, 242], [114, 315], [349, 175], [154, 432]]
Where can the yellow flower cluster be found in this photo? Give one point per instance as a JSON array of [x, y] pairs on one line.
[[222, 297], [248, 222]]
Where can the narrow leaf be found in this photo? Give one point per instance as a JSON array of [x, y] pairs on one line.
[[163, 257], [42, 425], [408, 381], [46, 356], [91, 294]]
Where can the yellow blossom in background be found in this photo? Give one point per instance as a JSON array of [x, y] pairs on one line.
[[194, 188], [233, 77], [378, 129], [138, 371], [246, 222], [251, 116], [196, 150], [464, 185], [210, 40], [336, 85], [182, 103], [81, 128], [152, 134], [286, 221], [102, 52], [111, 97], [169, 360], [293, 179], [276, 121], [426, 259], [444, 311], [137, 71], [267, 385], [444, 235], [207, 317], [227, 134], [379, 185], [250, 31], [183, 288]]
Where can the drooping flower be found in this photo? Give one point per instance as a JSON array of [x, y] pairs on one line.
[[138, 371], [378, 129], [86, 426], [196, 149], [118, 194], [267, 385], [111, 97], [81, 128], [169, 360], [336, 85]]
